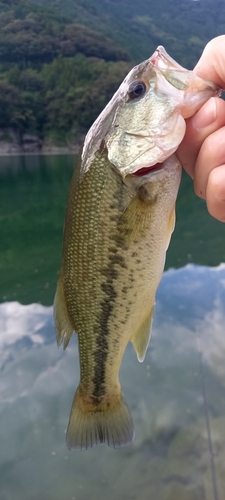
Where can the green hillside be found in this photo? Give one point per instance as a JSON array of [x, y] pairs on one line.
[[60, 64], [51, 70], [183, 26]]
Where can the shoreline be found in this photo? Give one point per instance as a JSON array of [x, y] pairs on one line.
[[58, 151], [13, 145], [38, 153]]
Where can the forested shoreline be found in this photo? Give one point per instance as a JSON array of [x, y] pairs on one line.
[[55, 78], [58, 67]]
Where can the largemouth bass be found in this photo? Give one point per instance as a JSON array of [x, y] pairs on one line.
[[118, 225]]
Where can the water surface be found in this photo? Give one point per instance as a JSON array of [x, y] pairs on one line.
[[176, 396]]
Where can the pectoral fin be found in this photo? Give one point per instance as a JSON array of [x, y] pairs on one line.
[[171, 226], [64, 329], [142, 337]]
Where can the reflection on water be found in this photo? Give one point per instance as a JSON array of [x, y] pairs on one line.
[[176, 398]]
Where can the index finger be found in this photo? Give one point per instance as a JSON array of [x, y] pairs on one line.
[[211, 65], [211, 117]]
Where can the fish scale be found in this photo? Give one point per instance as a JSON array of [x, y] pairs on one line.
[[119, 220]]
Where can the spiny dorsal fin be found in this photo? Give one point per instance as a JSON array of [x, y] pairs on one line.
[[64, 329], [142, 337]]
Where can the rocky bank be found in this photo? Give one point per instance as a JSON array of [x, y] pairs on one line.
[[11, 143]]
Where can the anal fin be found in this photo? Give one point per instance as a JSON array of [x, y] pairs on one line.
[[64, 329], [142, 336]]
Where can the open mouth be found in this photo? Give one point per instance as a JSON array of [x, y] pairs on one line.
[[147, 170]]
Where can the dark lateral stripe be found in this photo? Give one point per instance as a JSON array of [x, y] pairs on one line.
[[102, 336], [110, 275]]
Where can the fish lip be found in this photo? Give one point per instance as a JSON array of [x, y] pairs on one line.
[[162, 60]]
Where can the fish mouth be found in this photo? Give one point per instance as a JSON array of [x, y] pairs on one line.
[[148, 170]]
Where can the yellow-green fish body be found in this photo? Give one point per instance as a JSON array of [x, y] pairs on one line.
[[119, 221]]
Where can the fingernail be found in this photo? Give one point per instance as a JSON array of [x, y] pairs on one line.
[[206, 115]]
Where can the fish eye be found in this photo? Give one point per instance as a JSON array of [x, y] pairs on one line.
[[136, 89]]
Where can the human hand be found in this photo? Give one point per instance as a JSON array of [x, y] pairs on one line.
[[202, 151]]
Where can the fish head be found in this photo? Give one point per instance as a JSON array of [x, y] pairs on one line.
[[148, 117]]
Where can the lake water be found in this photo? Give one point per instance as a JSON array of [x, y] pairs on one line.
[[176, 396]]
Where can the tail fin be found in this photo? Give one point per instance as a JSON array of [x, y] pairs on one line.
[[96, 424]]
